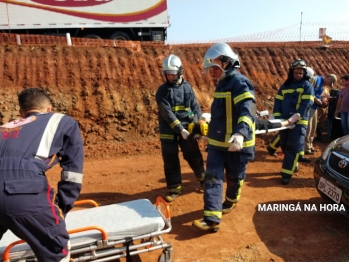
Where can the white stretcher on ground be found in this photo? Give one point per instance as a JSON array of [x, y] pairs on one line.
[[106, 233]]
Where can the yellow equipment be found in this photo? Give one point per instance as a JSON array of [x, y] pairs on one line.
[[198, 128]]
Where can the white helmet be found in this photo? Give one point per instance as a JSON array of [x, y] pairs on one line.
[[172, 65], [221, 55], [310, 72]]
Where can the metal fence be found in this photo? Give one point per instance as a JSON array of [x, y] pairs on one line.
[[20, 39]]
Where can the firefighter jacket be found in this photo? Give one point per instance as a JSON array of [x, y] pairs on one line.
[[31, 146], [232, 111], [297, 97], [178, 107]]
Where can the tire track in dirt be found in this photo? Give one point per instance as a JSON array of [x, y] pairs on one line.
[[9, 65], [59, 68], [35, 67], [48, 68], [20, 68]]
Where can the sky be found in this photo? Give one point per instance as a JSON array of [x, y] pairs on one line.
[[201, 20]]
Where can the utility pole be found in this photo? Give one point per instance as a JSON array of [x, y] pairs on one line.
[[300, 29]]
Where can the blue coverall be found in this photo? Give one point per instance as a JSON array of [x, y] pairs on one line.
[[297, 97], [178, 107], [232, 111], [317, 82], [29, 206]]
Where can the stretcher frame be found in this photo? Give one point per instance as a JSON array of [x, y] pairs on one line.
[[104, 247], [260, 132], [207, 117]]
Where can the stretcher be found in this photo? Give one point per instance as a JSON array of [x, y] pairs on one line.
[[263, 131], [207, 118], [106, 233]]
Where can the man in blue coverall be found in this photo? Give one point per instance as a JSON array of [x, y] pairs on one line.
[[296, 95], [29, 206], [231, 135], [178, 107]]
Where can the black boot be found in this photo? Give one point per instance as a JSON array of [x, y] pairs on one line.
[[319, 136], [301, 158]]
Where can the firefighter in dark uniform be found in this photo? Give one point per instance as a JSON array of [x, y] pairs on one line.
[[296, 95], [29, 206], [275, 142], [231, 135], [178, 106]]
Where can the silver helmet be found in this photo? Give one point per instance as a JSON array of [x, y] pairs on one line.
[[221, 55], [172, 65], [310, 72]]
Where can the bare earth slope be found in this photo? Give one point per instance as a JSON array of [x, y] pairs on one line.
[[110, 91]]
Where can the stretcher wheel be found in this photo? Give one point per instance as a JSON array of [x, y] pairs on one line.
[[166, 255]]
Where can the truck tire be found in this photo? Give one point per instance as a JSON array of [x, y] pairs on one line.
[[119, 36], [90, 39]]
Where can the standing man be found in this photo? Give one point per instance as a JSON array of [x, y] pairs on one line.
[[30, 207], [231, 135], [178, 107], [343, 104], [322, 115], [296, 95], [317, 82]]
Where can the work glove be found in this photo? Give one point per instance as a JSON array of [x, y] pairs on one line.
[[185, 134], [237, 140]]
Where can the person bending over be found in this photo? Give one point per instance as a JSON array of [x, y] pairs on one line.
[[29, 146]]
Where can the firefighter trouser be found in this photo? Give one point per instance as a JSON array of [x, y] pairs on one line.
[[275, 142], [27, 209], [292, 143], [172, 168], [235, 169]]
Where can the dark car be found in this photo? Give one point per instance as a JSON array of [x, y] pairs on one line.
[[331, 173]]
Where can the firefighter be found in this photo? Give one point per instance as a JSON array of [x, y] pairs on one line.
[[275, 142], [296, 95], [178, 107], [231, 135], [30, 207]]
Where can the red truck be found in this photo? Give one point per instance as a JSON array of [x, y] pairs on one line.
[[140, 20]]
